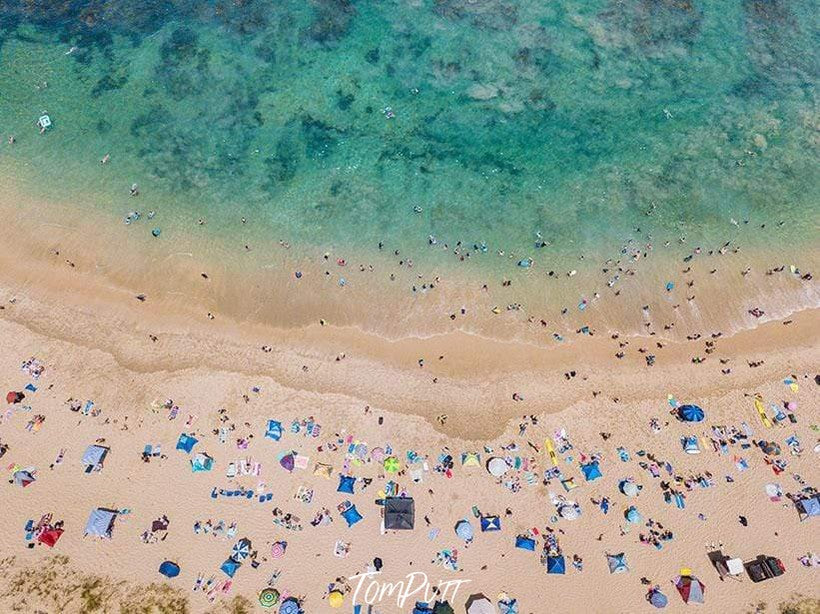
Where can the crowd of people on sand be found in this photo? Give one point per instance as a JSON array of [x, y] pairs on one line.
[[513, 465]]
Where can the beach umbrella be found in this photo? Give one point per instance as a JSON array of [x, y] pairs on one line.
[[336, 599], [464, 530], [23, 478], [658, 599], [391, 464], [360, 451], [268, 597], [14, 397], [241, 549], [288, 462], [690, 413], [507, 605], [633, 515], [277, 550], [617, 563], [169, 569], [290, 606], [569, 512], [479, 604], [497, 466], [690, 588], [377, 454], [630, 489], [49, 537]]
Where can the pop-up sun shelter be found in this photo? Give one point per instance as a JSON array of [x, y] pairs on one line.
[[229, 567], [274, 430], [346, 484], [690, 588], [399, 513], [617, 563], [201, 462], [93, 457], [525, 543], [591, 471], [490, 523], [556, 564], [186, 443], [351, 515], [101, 522]]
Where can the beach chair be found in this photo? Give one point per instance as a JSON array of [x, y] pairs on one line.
[[231, 471]]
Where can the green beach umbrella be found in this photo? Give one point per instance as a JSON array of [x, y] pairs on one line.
[[391, 464]]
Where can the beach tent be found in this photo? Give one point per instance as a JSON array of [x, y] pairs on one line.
[[346, 483], [808, 507], [690, 445], [443, 607], [690, 588], [169, 569], [49, 537], [630, 489], [422, 608], [186, 443], [101, 522], [497, 466], [591, 471], [201, 462], [399, 513], [617, 563], [657, 598], [274, 430], [490, 523], [470, 459], [23, 477], [690, 413], [508, 606], [93, 457], [632, 515], [479, 604], [464, 530], [556, 564], [351, 515], [290, 606], [525, 543], [229, 567]]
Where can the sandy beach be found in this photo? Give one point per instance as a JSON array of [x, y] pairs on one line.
[[142, 363]]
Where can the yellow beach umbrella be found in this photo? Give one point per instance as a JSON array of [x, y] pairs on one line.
[[336, 599]]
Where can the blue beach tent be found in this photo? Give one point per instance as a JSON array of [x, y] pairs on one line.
[[556, 564], [229, 567], [490, 523], [351, 516], [346, 483], [274, 430], [525, 543], [186, 443], [591, 471]]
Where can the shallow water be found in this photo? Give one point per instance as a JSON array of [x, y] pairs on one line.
[[547, 130]]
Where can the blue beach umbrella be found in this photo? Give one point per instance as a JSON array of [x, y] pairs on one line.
[[690, 413], [633, 515], [169, 569], [658, 599], [464, 530]]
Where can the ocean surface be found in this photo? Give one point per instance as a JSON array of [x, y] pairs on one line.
[[544, 129]]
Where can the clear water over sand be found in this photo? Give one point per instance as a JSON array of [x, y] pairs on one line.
[[508, 125]]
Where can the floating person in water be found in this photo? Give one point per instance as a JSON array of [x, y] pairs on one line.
[[134, 190]]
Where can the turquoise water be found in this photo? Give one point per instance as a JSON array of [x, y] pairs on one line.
[[578, 121]]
